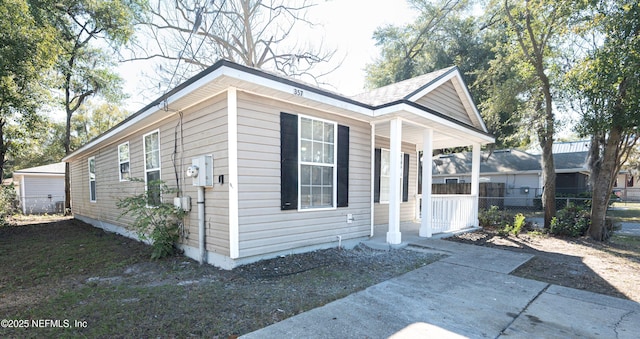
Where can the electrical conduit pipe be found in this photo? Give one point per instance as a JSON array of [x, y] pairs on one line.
[[201, 228]]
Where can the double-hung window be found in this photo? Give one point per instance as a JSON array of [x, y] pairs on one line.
[[317, 163], [314, 163], [123, 161], [92, 179], [151, 144]]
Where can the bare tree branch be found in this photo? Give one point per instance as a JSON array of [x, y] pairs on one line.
[[254, 33]]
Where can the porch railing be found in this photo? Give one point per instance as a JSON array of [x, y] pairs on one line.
[[452, 212]]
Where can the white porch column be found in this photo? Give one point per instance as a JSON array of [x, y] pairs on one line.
[[427, 180], [475, 180], [393, 235]]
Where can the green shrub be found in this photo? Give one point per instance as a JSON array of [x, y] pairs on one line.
[[572, 221], [516, 228], [518, 224], [8, 203], [158, 222], [493, 217]]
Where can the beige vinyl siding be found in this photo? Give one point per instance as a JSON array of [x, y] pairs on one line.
[[205, 132], [408, 208], [263, 226], [445, 100]]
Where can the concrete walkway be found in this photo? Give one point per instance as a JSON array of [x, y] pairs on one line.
[[467, 294]]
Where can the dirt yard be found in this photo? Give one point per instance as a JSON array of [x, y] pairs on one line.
[[104, 285], [611, 267]]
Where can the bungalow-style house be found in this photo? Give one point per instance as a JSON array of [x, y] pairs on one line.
[[41, 189], [627, 186], [519, 172], [294, 167]]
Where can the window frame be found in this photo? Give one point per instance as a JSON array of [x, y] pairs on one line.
[[334, 165], [120, 162], [93, 196], [382, 150], [147, 170]]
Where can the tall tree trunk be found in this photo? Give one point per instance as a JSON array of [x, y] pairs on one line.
[[594, 160], [545, 136], [609, 165], [3, 149], [603, 185], [67, 168], [533, 44], [549, 175]]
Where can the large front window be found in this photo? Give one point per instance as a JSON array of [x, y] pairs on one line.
[[152, 167], [317, 163]]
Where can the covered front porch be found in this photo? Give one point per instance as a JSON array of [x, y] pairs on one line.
[[412, 118], [403, 203], [410, 235]]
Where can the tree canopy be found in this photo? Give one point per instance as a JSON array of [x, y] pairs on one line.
[[186, 36], [27, 51], [606, 85]]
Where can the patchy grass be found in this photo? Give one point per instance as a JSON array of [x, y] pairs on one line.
[[68, 270], [51, 252], [625, 212]]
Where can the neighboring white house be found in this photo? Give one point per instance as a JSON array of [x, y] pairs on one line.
[[41, 189], [627, 186], [284, 166]]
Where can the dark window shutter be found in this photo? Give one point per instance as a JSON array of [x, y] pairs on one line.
[[343, 166], [376, 175], [405, 179], [288, 161]]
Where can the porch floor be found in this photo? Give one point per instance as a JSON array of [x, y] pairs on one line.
[[409, 233]]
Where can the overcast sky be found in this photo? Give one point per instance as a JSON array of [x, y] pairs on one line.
[[346, 25]]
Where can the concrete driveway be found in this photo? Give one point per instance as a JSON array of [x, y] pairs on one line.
[[467, 294]]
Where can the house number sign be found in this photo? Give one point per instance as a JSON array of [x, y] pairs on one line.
[[298, 92]]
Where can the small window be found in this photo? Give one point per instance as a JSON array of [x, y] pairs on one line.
[[92, 179], [151, 144], [385, 175], [451, 180], [123, 161], [317, 163]]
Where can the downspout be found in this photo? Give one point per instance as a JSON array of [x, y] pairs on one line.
[[23, 195], [373, 178], [201, 228]]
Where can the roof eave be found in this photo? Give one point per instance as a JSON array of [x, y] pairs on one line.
[[226, 68]]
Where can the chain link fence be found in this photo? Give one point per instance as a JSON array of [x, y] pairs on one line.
[[41, 204], [513, 199], [531, 207]]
